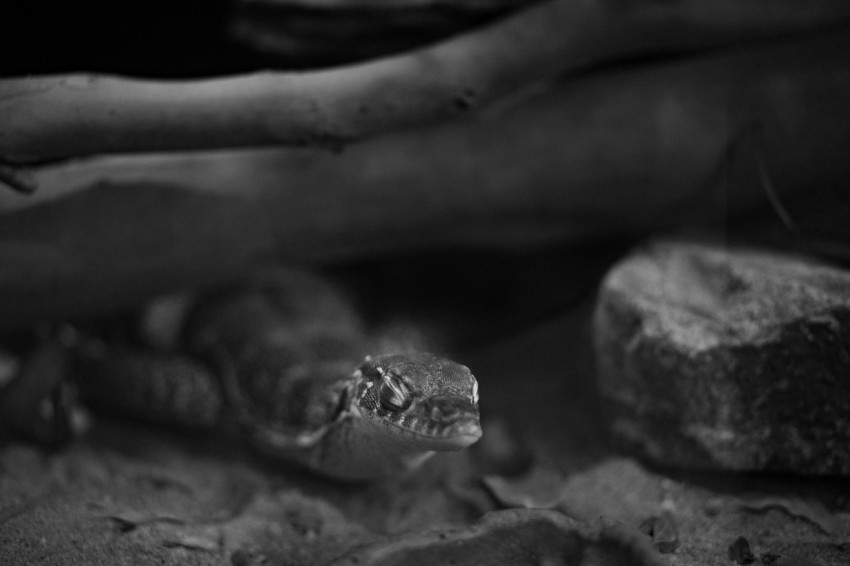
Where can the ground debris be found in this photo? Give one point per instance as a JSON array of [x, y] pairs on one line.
[[129, 523], [740, 553], [809, 510], [789, 560], [662, 531], [539, 488], [211, 541]]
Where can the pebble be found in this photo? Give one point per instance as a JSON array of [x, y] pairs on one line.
[[662, 531]]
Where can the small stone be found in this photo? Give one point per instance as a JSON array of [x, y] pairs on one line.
[[740, 553], [662, 531], [716, 358], [539, 488]]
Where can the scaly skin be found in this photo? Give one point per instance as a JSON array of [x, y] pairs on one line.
[[395, 411], [273, 363]]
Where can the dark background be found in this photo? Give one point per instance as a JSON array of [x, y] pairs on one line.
[[156, 38]]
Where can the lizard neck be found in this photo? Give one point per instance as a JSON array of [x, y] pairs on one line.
[[355, 449]]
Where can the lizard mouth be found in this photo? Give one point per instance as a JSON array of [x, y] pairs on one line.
[[442, 423]]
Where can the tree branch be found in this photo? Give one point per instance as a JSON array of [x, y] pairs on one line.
[[51, 118]]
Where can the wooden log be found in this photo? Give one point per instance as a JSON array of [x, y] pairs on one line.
[[623, 152]]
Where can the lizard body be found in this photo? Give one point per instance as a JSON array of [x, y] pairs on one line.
[[276, 363]]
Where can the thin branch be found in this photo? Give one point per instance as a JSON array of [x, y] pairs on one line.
[[51, 118], [18, 178], [773, 196]]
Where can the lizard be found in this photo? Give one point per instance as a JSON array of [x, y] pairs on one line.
[[273, 362]]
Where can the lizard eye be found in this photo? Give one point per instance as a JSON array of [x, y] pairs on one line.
[[393, 394]]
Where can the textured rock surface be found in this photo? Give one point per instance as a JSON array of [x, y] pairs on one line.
[[514, 537], [732, 359]]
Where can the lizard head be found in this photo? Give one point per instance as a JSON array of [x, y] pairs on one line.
[[428, 401]]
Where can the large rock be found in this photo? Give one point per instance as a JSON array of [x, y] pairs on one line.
[[723, 358]]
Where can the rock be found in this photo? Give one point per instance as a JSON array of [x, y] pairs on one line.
[[515, 537], [715, 358]]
